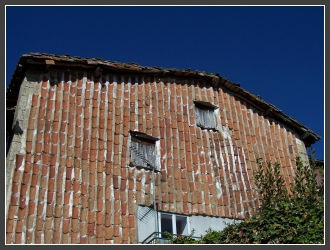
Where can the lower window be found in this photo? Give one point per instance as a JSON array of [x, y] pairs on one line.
[[174, 224]]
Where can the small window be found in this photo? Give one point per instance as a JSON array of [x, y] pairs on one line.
[[143, 152], [152, 225], [204, 115], [174, 224]]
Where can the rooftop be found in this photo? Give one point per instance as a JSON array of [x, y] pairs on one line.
[[45, 61]]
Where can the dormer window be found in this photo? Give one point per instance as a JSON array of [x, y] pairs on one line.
[[204, 115]]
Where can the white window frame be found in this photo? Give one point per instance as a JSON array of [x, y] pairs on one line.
[[174, 219]]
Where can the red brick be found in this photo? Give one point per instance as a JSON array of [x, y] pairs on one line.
[[116, 230], [108, 232], [9, 226], [131, 220], [11, 212], [18, 238], [115, 181], [19, 160], [84, 155], [22, 202], [33, 192], [67, 197], [74, 212], [124, 208], [132, 234], [83, 240], [38, 235], [34, 180], [8, 238], [99, 218], [23, 189], [91, 227], [14, 188], [84, 188]]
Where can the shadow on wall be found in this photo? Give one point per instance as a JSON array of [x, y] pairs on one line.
[[17, 130]]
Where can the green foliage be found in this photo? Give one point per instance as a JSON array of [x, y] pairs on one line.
[[181, 239], [286, 216], [271, 185]]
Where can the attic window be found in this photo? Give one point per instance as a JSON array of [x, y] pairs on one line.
[[204, 115], [143, 150]]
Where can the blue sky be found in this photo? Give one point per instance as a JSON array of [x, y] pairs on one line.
[[276, 52]]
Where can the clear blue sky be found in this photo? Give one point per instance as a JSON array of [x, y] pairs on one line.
[[276, 52]]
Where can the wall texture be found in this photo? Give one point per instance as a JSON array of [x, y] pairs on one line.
[[72, 182]]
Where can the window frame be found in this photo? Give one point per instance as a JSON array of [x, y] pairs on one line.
[[174, 218], [201, 105], [144, 139]]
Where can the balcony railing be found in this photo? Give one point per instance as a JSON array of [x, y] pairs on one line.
[[160, 238]]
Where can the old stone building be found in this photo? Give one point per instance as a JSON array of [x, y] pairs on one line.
[[107, 152]]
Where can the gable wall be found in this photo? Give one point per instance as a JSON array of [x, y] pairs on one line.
[[76, 186]]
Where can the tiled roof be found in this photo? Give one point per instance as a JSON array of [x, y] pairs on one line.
[[46, 60]]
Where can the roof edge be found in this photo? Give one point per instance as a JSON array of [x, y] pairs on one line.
[[307, 135]]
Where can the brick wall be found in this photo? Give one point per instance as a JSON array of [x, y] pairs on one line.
[[75, 185]]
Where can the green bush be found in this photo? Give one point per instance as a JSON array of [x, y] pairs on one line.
[[286, 216]]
